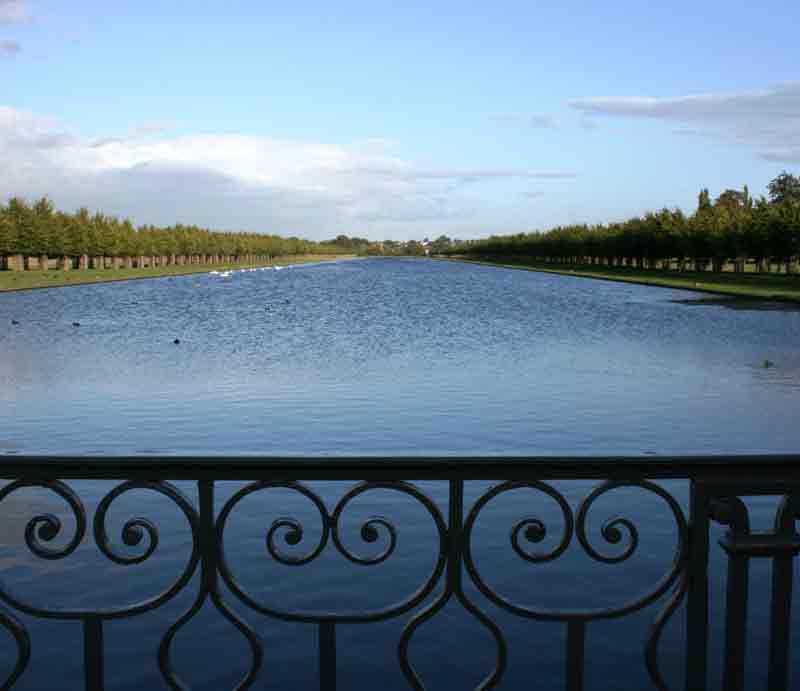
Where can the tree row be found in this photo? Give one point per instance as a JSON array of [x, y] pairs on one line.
[[39, 229], [731, 230]]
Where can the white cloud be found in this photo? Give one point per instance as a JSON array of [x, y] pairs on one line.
[[766, 121], [12, 11], [240, 181], [544, 121], [145, 129], [538, 121], [9, 47]]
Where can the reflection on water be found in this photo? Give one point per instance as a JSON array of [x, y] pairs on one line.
[[392, 356], [737, 303]]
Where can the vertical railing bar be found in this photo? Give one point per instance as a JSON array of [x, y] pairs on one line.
[[735, 622], [576, 648], [93, 653], [207, 537], [327, 656], [697, 590], [209, 544], [455, 534], [780, 627]]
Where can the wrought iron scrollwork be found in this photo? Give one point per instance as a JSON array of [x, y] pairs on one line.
[[209, 591], [45, 528], [23, 642], [535, 537], [133, 533], [787, 515], [657, 629], [453, 589], [292, 532], [614, 531], [371, 528]]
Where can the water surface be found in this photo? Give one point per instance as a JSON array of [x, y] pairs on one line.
[[392, 357], [382, 357]]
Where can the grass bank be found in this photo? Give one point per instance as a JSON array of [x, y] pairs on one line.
[[756, 286], [29, 280]]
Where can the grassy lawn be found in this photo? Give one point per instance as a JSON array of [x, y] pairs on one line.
[[751, 285], [27, 280]]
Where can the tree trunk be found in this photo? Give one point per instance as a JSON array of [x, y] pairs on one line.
[[15, 262]]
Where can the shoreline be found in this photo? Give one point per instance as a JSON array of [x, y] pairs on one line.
[[41, 280], [732, 285]]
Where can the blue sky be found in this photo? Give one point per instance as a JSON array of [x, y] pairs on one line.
[[389, 119]]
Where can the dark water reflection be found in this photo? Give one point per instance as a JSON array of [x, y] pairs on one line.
[[396, 357], [382, 357]]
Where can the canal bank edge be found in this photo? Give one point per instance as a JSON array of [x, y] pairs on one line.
[[732, 285], [13, 281]]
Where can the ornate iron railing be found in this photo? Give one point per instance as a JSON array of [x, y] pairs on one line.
[[718, 488]]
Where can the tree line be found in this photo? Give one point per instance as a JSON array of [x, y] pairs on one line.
[[732, 229], [39, 229]]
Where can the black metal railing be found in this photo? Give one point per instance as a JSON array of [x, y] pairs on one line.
[[718, 489]]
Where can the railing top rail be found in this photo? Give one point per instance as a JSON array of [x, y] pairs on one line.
[[715, 467]]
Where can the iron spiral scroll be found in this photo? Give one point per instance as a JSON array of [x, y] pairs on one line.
[[548, 524], [292, 532], [44, 529], [615, 531]]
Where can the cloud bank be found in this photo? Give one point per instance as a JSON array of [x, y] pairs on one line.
[[9, 47], [244, 182], [13, 11], [766, 121], [536, 121]]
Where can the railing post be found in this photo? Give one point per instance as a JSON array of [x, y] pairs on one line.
[[736, 622], [455, 535], [780, 629], [697, 590], [576, 644], [740, 544], [93, 653], [207, 535], [732, 511], [327, 656], [788, 543]]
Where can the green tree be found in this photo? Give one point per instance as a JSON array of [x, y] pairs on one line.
[[8, 233], [784, 189], [731, 199]]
